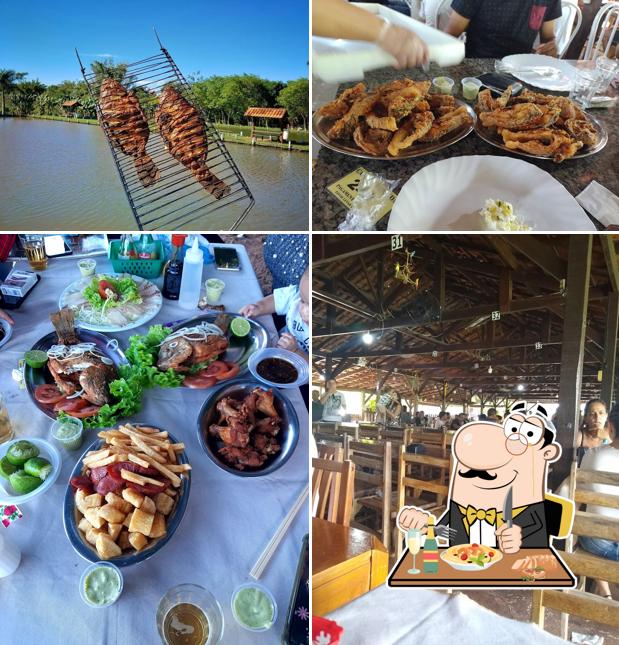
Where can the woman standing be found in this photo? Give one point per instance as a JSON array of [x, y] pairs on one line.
[[594, 431]]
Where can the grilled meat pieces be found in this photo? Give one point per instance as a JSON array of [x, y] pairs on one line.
[[128, 127], [184, 133]]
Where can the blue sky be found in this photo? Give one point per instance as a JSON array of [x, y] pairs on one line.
[[264, 37]]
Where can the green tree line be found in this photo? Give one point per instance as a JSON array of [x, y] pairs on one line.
[[224, 98]]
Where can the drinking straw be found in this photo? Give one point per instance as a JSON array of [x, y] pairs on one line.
[[269, 550]]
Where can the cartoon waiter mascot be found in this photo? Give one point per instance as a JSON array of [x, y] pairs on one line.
[[501, 470]]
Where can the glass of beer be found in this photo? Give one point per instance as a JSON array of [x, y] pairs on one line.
[[413, 542], [189, 615], [35, 251]]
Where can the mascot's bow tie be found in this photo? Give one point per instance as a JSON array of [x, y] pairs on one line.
[[488, 515]]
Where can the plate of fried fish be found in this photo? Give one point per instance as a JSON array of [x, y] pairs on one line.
[[396, 120], [538, 125]]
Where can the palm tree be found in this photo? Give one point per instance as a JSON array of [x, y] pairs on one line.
[[8, 78]]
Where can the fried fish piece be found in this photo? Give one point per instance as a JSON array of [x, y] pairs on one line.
[[337, 109], [413, 128], [184, 133], [128, 127], [344, 128], [374, 141], [513, 118], [448, 123], [542, 142], [503, 100], [583, 131], [485, 102], [441, 100], [567, 150], [380, 119]]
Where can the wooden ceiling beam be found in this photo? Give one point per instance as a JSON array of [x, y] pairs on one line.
[[612, 264], [540, 253]]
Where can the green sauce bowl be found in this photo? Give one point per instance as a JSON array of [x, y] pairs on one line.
[[115, 576], [254, 607]]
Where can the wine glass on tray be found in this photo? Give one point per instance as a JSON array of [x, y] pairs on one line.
[[413, 542]]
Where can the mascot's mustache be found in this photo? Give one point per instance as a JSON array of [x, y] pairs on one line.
[[482, 474]]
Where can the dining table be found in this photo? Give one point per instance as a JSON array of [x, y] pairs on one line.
[[347, 562], [228, 521], [329, 166]]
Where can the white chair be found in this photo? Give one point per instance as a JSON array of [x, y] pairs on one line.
[[603, 30], [436, 13], [568, 25]]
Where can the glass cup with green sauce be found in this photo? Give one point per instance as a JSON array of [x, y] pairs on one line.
[[442, 85], [87, 267], [470, 88], [214, 289], [254, 607], [101, 584], [68, 432]]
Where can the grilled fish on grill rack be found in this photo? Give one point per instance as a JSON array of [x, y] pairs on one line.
[[184, 132], [128, 127]]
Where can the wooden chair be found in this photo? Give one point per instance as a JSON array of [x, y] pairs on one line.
[[370, 431], [327, 432], [332, 490], [330, 451], [421, 490], [577, 602], [373, 481]]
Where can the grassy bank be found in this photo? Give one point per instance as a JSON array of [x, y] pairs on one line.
[[229, 133]]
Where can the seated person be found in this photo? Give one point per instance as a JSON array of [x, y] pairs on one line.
[[604, 458], [292, 302], [497, 29]]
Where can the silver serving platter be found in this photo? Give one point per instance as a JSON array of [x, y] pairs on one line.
[[494, 139], [320, 126]]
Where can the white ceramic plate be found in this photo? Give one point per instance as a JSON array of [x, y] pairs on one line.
[[445, 195], [47, 451], [463, 566], [551, 73], [150, 307]]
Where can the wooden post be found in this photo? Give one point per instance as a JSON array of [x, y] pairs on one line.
[[609, 374], [572, 352]]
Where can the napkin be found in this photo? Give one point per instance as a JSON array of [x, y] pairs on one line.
[[325, 631], [8, 514], [601, 203]]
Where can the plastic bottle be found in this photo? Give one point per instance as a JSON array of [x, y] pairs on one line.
[[172, 272], [147, 250], [191, 282]]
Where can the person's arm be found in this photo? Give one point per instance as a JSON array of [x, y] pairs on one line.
[[264, 306], [548, 44], [289, 342], [340, 19], [457, 24], [6, 317]]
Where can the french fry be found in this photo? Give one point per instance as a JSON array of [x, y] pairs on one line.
[[136, 439], [94, 456], [103, 462], [171, 455], [164, 471], [138, 479], [179, 468], [138, 460]]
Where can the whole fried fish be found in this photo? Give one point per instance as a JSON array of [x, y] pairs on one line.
[[184, 133], [128, 127]]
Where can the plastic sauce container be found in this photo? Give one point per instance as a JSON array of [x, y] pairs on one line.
[[443, 84], [101, 584], [87, 267], [214, 289], [470, 88], [68, 432], [254, 607]]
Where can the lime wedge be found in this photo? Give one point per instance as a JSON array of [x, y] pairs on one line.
[[35, 358], [240, 327], [23, 483], [7, 468]]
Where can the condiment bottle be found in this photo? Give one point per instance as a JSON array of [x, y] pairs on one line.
[[147, 249], [173, 270], [430, 549], [127, 248], [191, 281]]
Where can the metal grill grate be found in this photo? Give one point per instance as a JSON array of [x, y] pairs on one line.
[[177, 198]]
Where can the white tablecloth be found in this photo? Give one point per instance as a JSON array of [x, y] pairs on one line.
[[387, 616], [227, 523]]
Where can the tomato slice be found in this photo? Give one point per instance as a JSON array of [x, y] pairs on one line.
[[104, 286], [199, 381], [88, 411], [48, 394], [232, 370], [71, 405], [216, 367]]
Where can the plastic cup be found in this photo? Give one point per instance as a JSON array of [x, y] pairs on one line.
[[442, 85], [87, 267], [267, 593], [10, 557], [607, 69], [584, 87], [90, 569], [471, 87], [214, 289], [68, 432]]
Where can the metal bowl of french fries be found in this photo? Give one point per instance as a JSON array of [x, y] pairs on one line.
[[247, 428], [127, 494]]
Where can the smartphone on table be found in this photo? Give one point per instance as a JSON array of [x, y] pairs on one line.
[[500, 82], [227, 259]]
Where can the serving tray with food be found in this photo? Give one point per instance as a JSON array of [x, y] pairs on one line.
[[538, 125], [112, 302], [396, 120], [127, 494], [196, 353]]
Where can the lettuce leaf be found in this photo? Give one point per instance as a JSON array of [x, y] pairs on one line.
[[126, 288]]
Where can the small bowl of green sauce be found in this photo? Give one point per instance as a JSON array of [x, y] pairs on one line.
[[442, 84], [101, 584], [254, 607]]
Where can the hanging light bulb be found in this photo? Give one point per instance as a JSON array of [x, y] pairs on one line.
[[367, 338], [520, 387], [490, 370]]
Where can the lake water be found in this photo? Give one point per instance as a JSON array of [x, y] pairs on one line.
[[61, 176]]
